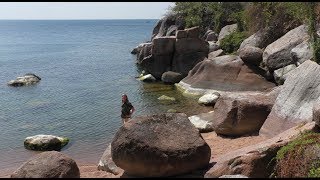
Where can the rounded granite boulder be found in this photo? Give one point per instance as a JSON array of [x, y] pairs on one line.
[[159, 145], [45, 142]]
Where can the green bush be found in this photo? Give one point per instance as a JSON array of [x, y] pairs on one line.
[[232, 42]]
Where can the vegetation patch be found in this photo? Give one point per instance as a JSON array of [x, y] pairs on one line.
[[232, 42], [300, 157]]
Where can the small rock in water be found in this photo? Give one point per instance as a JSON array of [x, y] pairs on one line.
[[147, 77], [45, 142], [209, 99], [27, 79], [164, 97]]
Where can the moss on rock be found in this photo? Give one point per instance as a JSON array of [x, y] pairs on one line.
[[300, 157]]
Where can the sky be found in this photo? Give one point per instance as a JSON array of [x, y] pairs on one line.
[[83, 10]]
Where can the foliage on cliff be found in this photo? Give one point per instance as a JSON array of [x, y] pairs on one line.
[[252, 16]]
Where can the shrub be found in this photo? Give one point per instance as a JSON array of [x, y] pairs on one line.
[[232, 42]]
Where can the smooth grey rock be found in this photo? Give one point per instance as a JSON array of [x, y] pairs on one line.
[[209, 99], [280, 75], [225, 31], [302, 52]]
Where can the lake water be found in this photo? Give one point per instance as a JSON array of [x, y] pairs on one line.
[[85, 66]]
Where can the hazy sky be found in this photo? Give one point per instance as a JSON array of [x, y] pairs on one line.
[[83, 10]]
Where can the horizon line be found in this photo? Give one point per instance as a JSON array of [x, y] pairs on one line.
[[90, 19]]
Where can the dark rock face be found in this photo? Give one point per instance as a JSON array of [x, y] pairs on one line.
[[171, 77], [50, 164], [242, 114], [144, 52], [159, 145], [226, 73], [157, 65], [295, 101]]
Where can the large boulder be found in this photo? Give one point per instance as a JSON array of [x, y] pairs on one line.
[[106, 163], [225, 31], [280, 75], [277, 54], [242, 113], [159, 145], [27, 79], [302, 52], [224, 73], [295, 101], [45, 142], [251, 55], [50, 164], [256, 160], [171, 77], [260, 39]]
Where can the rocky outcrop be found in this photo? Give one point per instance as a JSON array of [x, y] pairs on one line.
[[302, 52], [171, 77], [225, 31], [106, 163], [251, 55], [242, 113], [224, 73], [295, 101], [27, 79], [277, 54], [280, 75], [45, 142], [178, 54], [255, 160], [167, 26], [159, 145], [48, 165], [202, 122]]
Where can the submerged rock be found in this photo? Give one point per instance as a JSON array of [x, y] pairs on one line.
[[45, 142], [50, 164], [166, 98]]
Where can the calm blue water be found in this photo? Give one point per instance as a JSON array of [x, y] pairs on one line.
[[85, 66]]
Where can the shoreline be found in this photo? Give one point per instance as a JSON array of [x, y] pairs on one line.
[[219, 146]]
